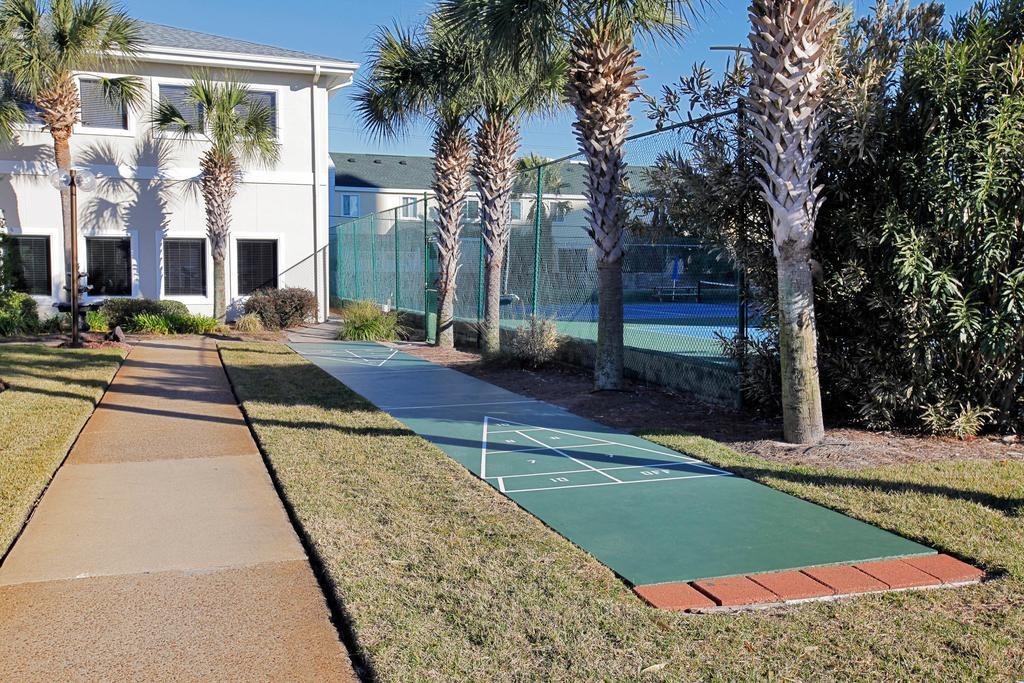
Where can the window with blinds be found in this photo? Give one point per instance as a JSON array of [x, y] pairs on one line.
[[109, 264], [267, 99], [185, 267], [97, 110], [29, 261], [257, 265], [178, 96]]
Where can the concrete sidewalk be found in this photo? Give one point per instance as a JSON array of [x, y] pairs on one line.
[[161, 551]]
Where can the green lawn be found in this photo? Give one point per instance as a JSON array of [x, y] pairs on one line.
[[443, 578], [52, 393]]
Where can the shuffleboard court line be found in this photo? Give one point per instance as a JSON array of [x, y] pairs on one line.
[[608, 483], [566, 455], [664, 465], [456, 405]]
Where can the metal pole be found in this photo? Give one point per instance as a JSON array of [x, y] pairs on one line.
[[426, 262], [76, 340], [373, 260], [536, 238], [480, 283], [355, 260], [398, 279]]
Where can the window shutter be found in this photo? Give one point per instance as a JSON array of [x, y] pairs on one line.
[[109, 264], [97, 110], [185, 267], [178, 96], [257, 265], [30, 263]]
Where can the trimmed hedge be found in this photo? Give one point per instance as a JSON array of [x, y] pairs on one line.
[[121, 312], [282, 308]]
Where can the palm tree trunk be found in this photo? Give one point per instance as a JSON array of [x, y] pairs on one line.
[[452, 159], [62, 157], [497, 142], [602, 79], [798, 350], [219, 186], [790, 41]]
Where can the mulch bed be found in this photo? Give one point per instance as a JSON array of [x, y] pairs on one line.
[[642, 406]]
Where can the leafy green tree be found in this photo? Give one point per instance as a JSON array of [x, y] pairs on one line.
[[598, 37], [427, 74], [42, 46], [237, 130]]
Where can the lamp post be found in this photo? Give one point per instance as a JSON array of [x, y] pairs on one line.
[[73, 180]]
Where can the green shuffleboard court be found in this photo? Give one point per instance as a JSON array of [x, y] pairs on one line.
[[651, 514]]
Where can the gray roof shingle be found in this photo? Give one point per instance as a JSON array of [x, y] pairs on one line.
[[160, 35]]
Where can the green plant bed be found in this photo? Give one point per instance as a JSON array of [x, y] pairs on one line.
[[443, 578], [52, 393]]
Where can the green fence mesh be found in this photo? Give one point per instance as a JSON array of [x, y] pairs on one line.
[[682, 298]]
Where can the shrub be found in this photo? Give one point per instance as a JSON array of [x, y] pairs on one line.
[[536, 343], [364, 321], [281, 308], [97, 321], [19, 314], [150, 323], [195, 324], [250, 322], [120, 312], [155, 323]]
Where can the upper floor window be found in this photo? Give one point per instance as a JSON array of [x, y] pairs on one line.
[[517, 210], [178, 96], [350, 205], [409, 207], [266, 98], [28, 258], [471, 210], [97, 110]]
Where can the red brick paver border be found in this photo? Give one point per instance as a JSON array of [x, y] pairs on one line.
[[793, 585], [898, 574], [674, 596], [945, 568], [844, 579], [735, 590]]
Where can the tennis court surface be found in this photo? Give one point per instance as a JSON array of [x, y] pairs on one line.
[[651, 514]]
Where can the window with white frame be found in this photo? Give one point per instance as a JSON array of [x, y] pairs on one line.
[[28, 259], [109, 265], [97, 109], [471, 210], [185, 267], [257, 265], [409, 208], [177, 95], [517, 210], [350, 205]]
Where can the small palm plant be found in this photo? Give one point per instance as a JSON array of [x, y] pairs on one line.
[[426, 75], [42, 46], [238, 129]]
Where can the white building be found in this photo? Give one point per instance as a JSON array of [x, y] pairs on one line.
[[142, 231]]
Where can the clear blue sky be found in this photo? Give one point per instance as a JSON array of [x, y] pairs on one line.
[[343, 28]]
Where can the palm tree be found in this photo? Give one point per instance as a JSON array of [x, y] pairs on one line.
[[238, 129], [507, 93], [425, 75], [791, 41], [43, 45], [599, 37]]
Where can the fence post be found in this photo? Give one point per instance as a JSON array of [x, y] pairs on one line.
[[480, 285], [536, 238], [373, 259], [426, 261], [398, 278], [355, 259]]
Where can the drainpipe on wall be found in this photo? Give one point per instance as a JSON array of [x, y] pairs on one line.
[[316, 189]]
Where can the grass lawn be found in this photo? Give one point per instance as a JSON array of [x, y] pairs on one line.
[[443, 578], [52, 393]]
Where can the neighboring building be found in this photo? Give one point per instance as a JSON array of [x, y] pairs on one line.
[[142, 232]]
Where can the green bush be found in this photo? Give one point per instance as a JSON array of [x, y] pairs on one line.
[[97, 321], [120, 312], [536, 343], [282, 308], [19, 314], [155, 323], [364, 321]]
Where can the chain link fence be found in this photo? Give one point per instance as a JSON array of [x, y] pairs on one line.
[[683, 299]]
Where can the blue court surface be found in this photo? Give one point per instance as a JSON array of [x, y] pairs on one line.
[[652, 514]]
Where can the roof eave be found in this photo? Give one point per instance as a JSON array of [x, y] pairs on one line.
[[235, 60]]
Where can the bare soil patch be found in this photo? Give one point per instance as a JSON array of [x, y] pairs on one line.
[[642, 406]]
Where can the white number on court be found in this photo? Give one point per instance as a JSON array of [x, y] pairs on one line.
[[559, 479], [510, 440], [555, 438], [652, 473]]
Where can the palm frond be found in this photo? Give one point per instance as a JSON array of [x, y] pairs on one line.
[[167, 118], [10, 115], [129, 91]]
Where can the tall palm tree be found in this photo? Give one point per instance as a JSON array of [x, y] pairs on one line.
[[237, 130], [44, 44], [599, 37], [426, 75], [507, 93], [791, 41]]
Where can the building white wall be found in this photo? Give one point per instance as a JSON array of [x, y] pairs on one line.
[[147, 188]]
